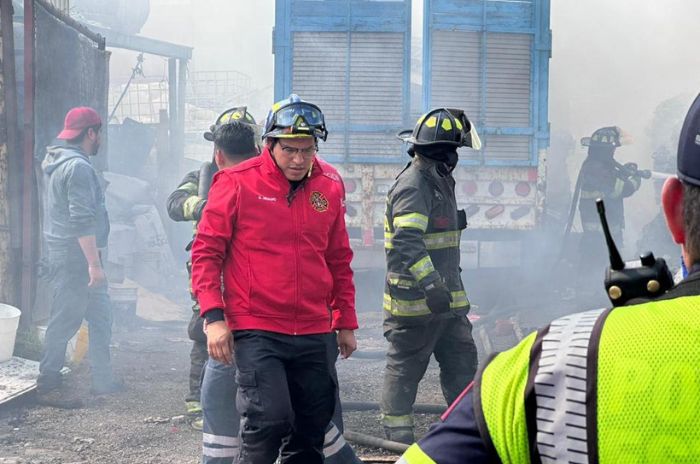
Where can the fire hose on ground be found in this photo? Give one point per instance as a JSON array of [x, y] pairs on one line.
[[367, 440], [420, 408]]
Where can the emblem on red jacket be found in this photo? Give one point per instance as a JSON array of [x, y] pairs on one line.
[[319, 202]]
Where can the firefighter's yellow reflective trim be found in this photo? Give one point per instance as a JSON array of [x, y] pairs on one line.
[[397, 421], [437, 241], [405, 307], [402, 283], [388, 237], [412, 220], [189, 187], [442, 240], [386, 225], [422, 268], [459, 300], [415, 455], [410, 308], [431, 121], [189, 206], [459, 124], [591, 194], [619, 187], [446, 124]]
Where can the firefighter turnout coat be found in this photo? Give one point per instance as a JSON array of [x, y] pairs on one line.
[[422, 230]]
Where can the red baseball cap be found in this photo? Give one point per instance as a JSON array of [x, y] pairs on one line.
[[77, 120]]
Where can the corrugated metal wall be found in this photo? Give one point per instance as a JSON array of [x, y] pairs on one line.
[[508, 70], [458, 69], [318, 75], [373, 96], [63, 5], [491, 57], [376, 77]]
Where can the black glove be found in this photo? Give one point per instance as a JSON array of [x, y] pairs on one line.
[[631, 167], [197, 213], [438, 297]]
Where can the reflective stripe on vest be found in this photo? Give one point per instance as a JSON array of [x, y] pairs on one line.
[[561, 387]]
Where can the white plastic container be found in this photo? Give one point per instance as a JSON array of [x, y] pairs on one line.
[[9, 321]]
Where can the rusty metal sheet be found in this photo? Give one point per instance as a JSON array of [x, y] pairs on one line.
[[18, 377]]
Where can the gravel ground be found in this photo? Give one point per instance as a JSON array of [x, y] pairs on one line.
[[123, 428], [145, 425]]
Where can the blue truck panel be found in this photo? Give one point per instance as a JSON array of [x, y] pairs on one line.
[[350, 69], [523, 22]]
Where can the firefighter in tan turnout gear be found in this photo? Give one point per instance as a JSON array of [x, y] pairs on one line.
[[425, 304]]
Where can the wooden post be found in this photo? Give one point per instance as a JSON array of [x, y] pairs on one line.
[[28, 186], [7, 281]]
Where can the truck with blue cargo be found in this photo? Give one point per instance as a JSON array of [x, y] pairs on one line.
[[488, 57]]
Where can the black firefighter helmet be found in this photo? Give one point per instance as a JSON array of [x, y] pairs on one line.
[[442, 127], [611, 136]]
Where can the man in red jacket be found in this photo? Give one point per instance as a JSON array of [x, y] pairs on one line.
[[274, 228]]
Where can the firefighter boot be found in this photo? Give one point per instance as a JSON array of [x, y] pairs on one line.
[[400, 434]]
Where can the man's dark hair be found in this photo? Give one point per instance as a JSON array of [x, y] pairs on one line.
[[236, 139], [79, 139], [691, 220]]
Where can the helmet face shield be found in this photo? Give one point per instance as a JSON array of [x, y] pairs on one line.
[[294, 119]]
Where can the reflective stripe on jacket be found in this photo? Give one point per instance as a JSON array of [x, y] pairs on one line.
[[183, 202]]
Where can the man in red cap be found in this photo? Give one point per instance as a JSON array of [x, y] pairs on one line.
[[77, 226]]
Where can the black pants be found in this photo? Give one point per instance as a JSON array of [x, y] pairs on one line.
[[198, 355], [410, 349], [286, 396]]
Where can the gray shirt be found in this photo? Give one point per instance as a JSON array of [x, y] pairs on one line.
[[74, 201]]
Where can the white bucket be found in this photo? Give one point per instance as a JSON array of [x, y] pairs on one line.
[[9, 321]]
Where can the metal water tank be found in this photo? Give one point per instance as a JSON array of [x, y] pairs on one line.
[[127, 16]]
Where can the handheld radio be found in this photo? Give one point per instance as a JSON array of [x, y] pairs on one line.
[[647, 277]]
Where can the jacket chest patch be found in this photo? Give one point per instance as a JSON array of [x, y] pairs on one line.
[[441, 222], [319, 202]]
